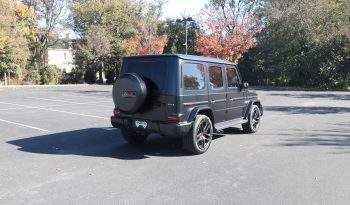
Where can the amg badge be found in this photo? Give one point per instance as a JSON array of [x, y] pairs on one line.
[[129, 94]]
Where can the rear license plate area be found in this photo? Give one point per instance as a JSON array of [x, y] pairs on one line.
[[140, 124]]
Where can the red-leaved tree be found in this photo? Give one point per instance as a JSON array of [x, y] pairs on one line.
[[146, 40], [224, 35]]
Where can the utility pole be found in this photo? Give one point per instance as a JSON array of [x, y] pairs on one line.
[[186, 37], [186, 20], [347, 9]]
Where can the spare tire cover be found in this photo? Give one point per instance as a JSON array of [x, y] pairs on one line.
[[129, 93]]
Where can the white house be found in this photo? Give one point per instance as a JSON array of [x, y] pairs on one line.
[[62, 58]]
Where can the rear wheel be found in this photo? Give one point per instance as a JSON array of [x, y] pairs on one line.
[[198, 140], [253, 123], [132, 137]]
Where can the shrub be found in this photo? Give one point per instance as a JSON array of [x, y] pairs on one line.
[[31, 76], [50, 75], [90, 76], [76, 76], [110, 75]]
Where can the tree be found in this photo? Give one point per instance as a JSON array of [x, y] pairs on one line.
[[304, 43], [146, 39], [104, 27], [228, 29], [175, 30], [240, 10], [27, 24], [98, 48], [26, 21], [50, 14], [14, 50], [112, 29]]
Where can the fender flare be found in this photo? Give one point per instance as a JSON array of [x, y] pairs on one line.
[[194, 112], [250, 104]]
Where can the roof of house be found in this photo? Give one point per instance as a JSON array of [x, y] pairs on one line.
[[187, 57]]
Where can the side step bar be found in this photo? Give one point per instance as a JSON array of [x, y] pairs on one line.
[[230, 123]]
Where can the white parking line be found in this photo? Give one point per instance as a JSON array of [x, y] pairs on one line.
[[73, 113], [50, 106], [108, 97], [22, 125], [91, 97], [54, 110], [72, 102], [15, 108]]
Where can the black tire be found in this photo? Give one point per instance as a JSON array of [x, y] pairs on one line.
[[198, 140], [253, 123], [115, 125], [132, 137], [129, 93]]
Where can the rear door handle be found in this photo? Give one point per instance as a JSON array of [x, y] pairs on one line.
[[212, 101]]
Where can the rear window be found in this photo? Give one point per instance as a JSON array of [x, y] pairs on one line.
[[154, 72], [193, 76]]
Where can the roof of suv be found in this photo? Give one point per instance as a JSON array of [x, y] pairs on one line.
[[187, 57]]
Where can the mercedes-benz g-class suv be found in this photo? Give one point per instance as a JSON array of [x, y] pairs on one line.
[[189, 97]]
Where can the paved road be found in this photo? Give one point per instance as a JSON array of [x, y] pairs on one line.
[[57, 147]]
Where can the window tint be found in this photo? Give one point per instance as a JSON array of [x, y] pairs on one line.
[[193, 76], [232, 77], [215, 74]]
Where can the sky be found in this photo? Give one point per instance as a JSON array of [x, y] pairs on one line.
[[179, 8]]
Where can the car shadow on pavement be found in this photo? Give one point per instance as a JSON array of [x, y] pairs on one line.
[[308, 110], [93, 93], [338, 138], [99, 142], [106, 93], [232, 131]]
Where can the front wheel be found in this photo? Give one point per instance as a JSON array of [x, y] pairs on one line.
[[253, 123], [132, 137], [198, 140]]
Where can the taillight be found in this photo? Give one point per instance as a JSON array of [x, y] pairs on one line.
[[173, 118], [116, 111]]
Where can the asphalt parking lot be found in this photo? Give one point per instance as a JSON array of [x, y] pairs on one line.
[[57, 147]]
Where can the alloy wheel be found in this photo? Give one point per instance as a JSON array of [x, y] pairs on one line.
[[204, 135], [256, 119]]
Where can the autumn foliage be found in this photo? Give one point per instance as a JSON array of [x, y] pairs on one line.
[[223, 36], [17, 29], [146, 40]]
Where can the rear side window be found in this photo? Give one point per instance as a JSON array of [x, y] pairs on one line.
[[193, 76], [215, 74], [232, 77], [155, 72]]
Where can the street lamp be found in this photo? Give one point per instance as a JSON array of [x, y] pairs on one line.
[[186, 20]]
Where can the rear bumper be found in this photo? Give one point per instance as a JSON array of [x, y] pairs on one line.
[[166, 129]]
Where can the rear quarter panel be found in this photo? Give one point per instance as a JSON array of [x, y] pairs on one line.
[[190, 99]]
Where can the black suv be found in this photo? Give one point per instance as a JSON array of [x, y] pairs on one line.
[[189, 97]]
